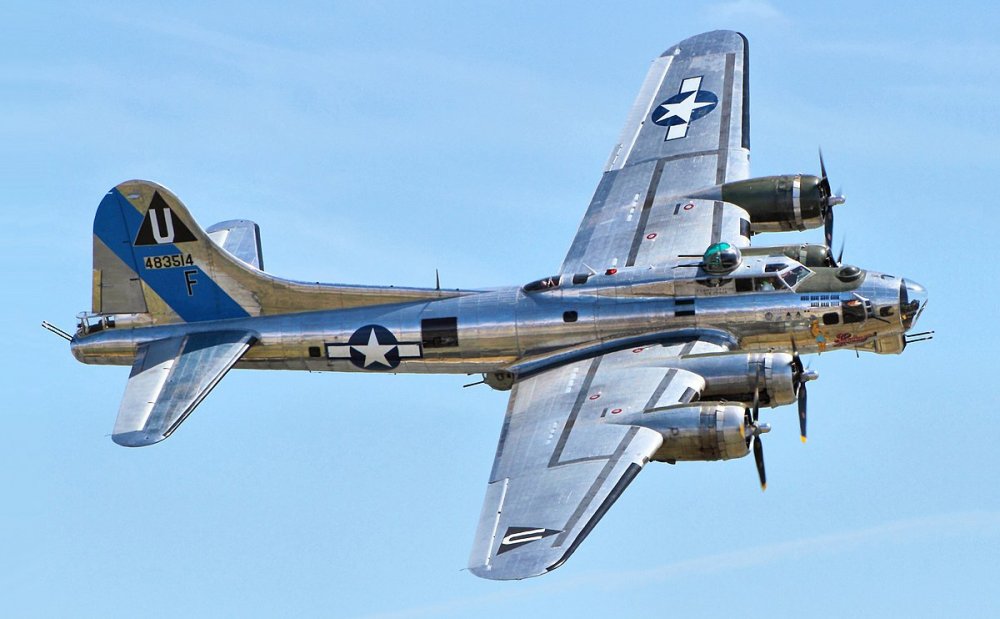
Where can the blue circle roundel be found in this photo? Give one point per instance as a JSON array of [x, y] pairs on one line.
[[684, 107], [373, 347]]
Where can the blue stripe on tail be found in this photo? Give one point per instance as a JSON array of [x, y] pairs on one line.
[[187, 289]]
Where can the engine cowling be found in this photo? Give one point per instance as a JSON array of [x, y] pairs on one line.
[[812, 256], [775, 203], [734, 377], [705, 431]]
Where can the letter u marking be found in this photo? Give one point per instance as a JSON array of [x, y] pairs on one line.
[[168, 221]]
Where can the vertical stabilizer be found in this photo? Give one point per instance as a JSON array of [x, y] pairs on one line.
[[150, 256], [152, 259]]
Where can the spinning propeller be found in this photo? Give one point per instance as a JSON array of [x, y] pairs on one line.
[[829, 201], [801, 375], [755, 430]]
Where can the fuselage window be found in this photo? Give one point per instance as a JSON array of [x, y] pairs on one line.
[[439, 332], [854, 311]]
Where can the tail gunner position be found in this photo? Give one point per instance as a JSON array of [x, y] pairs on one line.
[[659, 338]]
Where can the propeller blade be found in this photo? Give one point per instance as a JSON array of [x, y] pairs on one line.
[[758, 457], [802, 411], [824, 180], [802, 376], [840, 256], [756, 395], [828, 229]]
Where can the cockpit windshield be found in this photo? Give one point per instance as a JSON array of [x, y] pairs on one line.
[[772, 280], [546, 283], [792, 277]]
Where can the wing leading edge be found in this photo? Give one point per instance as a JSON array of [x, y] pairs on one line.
[[563, 458]]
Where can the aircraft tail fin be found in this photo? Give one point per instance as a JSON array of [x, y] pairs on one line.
[[152, 259]]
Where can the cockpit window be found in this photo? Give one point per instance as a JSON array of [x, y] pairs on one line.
[[773, 281], [796, 275], [546, 283], [767, 284], [759, 284]]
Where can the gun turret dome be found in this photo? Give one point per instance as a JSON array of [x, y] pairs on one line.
[[721, 258]]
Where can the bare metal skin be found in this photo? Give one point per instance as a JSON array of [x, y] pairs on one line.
[[659, 339]]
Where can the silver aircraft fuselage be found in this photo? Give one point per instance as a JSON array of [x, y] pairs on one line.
[[506, 329]]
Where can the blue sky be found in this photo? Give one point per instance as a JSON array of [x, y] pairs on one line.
[[376, 143]]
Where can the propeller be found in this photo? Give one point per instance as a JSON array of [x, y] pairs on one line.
[[801, 377], [831, 261], [830, 200], [756, 429]]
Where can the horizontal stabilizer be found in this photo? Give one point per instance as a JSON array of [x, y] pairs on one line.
[[170, 377]]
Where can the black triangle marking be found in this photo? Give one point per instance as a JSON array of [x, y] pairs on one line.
[[169, 227]]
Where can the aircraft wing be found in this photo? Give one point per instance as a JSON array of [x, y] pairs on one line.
[[562, 460], [689, 129], [170, 377]]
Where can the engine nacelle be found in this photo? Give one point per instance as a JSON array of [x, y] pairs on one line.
[[812, 256], [705, 431], [775, 203], [734, 376]]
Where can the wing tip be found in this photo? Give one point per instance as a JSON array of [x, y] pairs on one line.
[[489, 573], [708, 42], [136, 438]]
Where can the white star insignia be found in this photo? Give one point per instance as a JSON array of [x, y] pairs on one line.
[[684, 108], [374, 351]]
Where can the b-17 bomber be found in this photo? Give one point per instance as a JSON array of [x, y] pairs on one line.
[[658, 339]]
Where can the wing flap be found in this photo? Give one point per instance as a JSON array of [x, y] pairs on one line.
[[169, 378]]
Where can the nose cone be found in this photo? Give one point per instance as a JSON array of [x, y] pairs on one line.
[[912, 300]]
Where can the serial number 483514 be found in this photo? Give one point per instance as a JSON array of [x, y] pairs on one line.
[[168, 262]]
